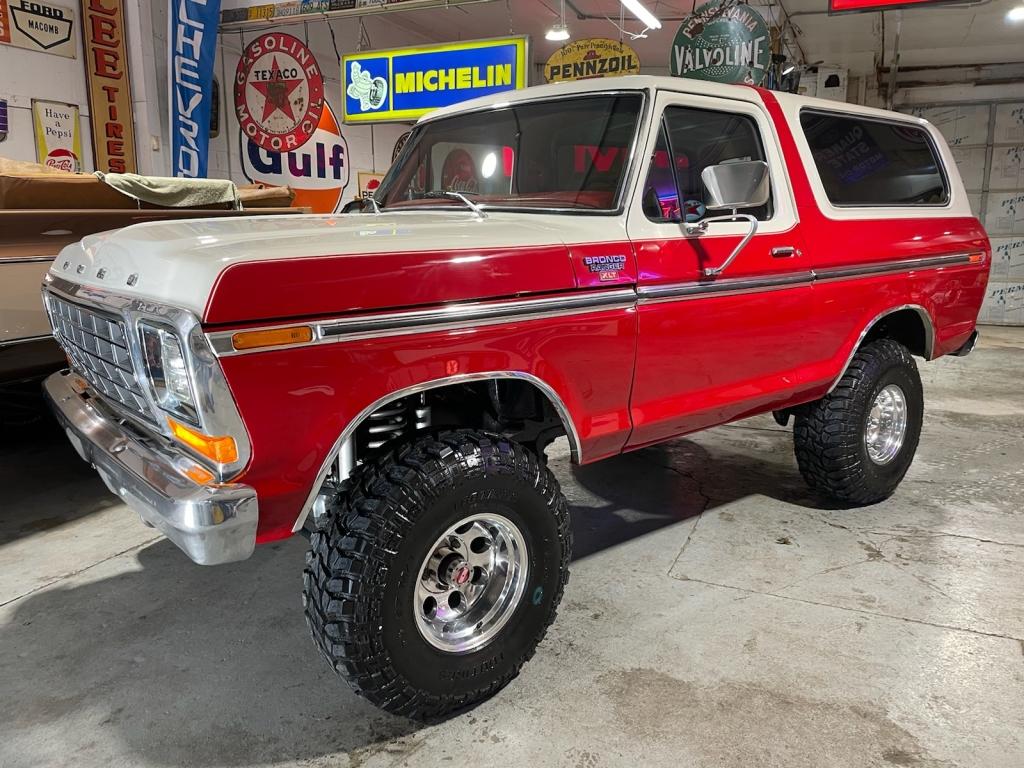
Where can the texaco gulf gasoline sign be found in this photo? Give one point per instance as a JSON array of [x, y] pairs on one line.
[[722, 42], [279, 92]]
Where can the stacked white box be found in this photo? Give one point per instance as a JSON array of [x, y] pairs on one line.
[[1004, 216]]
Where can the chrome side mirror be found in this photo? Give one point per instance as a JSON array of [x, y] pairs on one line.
[[731, 186]]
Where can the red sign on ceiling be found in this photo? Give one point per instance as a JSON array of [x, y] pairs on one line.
[[848, 6]]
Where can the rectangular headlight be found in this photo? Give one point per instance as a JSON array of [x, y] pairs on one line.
[[168, 371]]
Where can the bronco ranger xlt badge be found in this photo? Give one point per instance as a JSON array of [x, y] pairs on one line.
[[388, 381]]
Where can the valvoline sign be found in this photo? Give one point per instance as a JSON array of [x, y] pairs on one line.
[[406, 83], [318, 171]]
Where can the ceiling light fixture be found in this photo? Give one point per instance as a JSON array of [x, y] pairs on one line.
[[649, 19], [559, 31], [1015, 15]]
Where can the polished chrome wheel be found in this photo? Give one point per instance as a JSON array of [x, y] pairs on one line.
[[886, 425], [470, 583]]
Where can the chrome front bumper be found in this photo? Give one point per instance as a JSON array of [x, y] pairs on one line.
[[212, 524]]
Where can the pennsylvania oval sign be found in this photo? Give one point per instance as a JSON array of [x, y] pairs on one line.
[[722, 43], [586, 59], [279, 92]]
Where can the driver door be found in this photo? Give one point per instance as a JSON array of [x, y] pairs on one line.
[[713, 349]]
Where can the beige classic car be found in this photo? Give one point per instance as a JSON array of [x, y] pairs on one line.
[[41, 211]]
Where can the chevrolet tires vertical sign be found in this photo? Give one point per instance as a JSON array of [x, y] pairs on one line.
[[192, 43], [110, 95]]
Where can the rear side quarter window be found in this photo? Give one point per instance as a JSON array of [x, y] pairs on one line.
[[863, 161]]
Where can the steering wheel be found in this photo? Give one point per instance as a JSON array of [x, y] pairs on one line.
[[693, 211]]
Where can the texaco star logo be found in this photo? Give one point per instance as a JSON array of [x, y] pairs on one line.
[[279, 92]]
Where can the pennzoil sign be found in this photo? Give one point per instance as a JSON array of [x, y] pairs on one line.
[[592, 58]]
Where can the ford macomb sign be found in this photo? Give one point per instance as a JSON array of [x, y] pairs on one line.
[[723, 43], [406, 83]]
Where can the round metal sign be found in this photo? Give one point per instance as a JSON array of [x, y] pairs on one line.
[[279, 92], [723, 43]]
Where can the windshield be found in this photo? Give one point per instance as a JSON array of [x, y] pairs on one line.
[[569, 153]]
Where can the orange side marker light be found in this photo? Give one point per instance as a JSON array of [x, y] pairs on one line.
[[277, 337]]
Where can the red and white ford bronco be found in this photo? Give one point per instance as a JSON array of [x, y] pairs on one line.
[[619, 262]]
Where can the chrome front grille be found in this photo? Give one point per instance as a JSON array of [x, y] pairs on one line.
[[97, 346]]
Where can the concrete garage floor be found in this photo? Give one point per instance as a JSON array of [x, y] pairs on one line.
[[718, 615]]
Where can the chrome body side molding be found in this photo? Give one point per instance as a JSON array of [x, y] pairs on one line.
[[733, 285], [900, 265], [475, 314], [444, 318]]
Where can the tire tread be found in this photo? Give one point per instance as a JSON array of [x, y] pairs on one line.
[[828, 433], [351, 554]]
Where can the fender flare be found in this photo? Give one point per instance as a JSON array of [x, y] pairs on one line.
[[575, 446], [929, 335]]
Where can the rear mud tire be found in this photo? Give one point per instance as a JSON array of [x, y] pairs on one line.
[[830, 434]]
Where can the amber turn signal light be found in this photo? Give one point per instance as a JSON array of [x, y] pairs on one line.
[[975, 258], [298, 334], [198, 475], [221, 449]]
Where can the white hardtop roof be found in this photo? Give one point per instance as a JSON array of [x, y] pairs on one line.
[[790, 103], [624, 83]]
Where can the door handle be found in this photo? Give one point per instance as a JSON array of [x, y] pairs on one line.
[[785, 251]]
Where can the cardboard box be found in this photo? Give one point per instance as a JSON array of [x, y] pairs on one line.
[[1004, 304], [963, 125], [1007, 259], [1004, 214]]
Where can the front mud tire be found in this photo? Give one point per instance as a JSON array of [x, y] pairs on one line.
[[364, 565]]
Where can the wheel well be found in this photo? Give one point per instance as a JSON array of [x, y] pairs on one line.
[[515, 407], [910, 326]]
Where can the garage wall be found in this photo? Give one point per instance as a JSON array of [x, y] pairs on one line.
[[27, 75], [984, 125], [369, 147], [987, 140]]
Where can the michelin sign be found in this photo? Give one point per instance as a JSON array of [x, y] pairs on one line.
[[406, 83]]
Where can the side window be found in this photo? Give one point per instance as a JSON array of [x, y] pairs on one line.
[[688, 142], [868, 162]]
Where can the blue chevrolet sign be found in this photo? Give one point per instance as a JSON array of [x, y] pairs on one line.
[[406, 83]]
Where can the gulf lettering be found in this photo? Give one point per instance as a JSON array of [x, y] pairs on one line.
[[321, 163]]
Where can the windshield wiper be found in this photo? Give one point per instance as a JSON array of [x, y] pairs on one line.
[[452, 195], [376, 206]]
